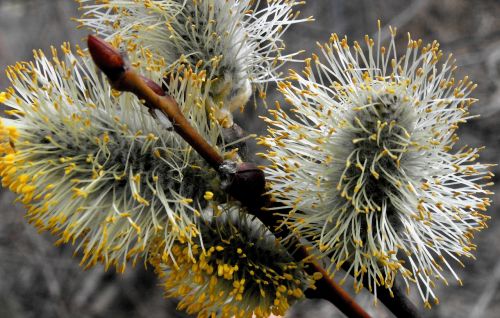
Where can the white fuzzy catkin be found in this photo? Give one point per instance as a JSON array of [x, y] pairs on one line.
[[367, 166], [91, 164], [237, 42], [240, 270]]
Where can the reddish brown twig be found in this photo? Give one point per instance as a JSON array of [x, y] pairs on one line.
[[125, 79], [246, 182]]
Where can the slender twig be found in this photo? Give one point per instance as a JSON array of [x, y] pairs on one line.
[[245, 182], [132, 82], [125, 79]]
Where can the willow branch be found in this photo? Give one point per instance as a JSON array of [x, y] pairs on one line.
[[246, 182], [123, 78]]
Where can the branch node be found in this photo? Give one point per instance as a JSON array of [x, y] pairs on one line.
[[245, 182]]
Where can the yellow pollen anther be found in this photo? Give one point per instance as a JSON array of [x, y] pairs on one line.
[[208, 196]]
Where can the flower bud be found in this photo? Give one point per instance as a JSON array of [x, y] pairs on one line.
[[244, 181], [106, 57]]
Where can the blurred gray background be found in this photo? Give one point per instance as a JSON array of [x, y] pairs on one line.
[[38, 279]]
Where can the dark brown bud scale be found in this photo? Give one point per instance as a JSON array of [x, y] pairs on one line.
[[106, 57], [245, 182]]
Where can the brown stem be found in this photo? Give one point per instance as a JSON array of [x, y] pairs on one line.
[[323, 290], [133, 82], [247, 182], [125, 79]]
